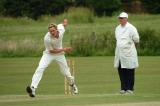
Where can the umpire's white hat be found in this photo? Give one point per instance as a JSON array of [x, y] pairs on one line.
[[123, 15]]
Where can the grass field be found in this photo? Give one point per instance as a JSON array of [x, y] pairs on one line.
[[23, 37], [22, 28], [95, 76]]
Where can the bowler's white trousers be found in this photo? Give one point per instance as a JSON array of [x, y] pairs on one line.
[[43, 64]]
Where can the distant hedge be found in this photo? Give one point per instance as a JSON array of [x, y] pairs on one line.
[[93, 45], [104, 44], [149, 42]]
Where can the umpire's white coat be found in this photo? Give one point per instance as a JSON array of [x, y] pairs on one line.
[[125, 51]]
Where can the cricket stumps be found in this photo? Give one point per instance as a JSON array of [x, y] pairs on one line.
[[67, 88]]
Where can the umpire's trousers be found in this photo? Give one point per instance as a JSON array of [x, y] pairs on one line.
[[127, 77]]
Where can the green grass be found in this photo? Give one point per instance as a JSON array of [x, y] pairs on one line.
[[21, 27], [95, 76], [14, 32]]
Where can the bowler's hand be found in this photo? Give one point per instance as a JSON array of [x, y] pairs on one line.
[[67, 49]]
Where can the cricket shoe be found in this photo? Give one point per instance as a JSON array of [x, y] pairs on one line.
[[31, 91], [74, 89], [122, 91], [129, 92]]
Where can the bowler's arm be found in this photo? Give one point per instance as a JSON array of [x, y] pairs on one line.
[[50, 49], [55, 50]]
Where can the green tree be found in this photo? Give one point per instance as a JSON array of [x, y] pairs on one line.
[[152, 6], [80, 3], [126, 1], [34, 8], [13, 7], [101, 7], [1, 7]]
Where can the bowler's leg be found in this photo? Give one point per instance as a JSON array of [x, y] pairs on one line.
[[65, 70], [43, 64]]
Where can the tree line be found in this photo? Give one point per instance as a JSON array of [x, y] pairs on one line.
[[35, 8]]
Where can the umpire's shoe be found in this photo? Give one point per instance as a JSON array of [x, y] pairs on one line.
[[74, 89], [31, 91]]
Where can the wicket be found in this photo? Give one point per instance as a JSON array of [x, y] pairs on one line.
[[67, 88]]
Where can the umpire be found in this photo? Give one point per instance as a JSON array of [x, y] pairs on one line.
[[126, 59]]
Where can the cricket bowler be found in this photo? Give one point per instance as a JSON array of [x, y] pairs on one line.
[[53, 51]]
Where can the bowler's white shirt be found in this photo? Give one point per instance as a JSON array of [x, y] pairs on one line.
[[125, 51], [54, 43], [61, 28]]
